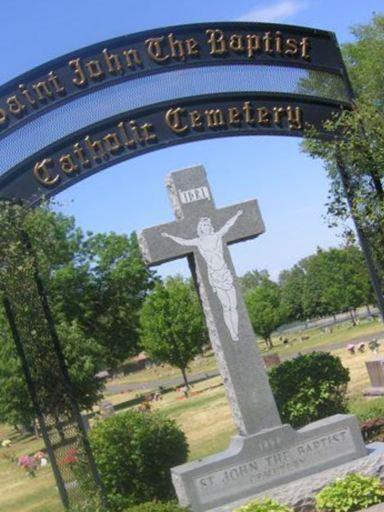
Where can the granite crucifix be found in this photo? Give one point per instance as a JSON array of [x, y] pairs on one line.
[[202, 233], [264, 454]]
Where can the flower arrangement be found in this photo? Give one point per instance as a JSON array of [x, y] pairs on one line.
[[28, 463], [39, 455], [351, 348], [71, 457], [41, 458], [361, 347]]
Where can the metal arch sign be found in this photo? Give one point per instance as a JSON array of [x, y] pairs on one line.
[[58, 85]]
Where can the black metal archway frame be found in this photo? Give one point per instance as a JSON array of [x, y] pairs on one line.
[[166, 52]]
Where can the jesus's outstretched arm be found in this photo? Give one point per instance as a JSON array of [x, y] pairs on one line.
[[180, 241], [230, 223]]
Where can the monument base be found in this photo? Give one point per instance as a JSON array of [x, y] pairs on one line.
[[266, 460], [300, 494], [374, 391]]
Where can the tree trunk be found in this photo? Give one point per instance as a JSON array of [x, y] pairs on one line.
[[36, 429], [59, 427], [377, 184], [368, 310], [269, 343], [184, 373], [352, 317]]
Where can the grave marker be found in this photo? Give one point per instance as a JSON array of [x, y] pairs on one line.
[[202, 232], [375, 370], [265, 453]]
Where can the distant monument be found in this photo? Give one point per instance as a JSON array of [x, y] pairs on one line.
[[265, 453], [375, 370]]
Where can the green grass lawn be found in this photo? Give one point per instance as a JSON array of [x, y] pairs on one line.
[[18, 491], [342, 333]]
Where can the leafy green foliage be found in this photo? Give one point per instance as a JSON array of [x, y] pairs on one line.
[[15, 403], [352, 493], [95, 284], [264, 506], [154, 506], [134, 452], [326, 283], [360, 142], [364, 58], [292, 283], [265, 310], [309, 388], [31, 239], [103, 288], [89, 505], [325, 85], [335, 280], [253, 279], [148, 506], [172, 326]]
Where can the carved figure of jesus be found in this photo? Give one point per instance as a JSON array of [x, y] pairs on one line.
[[210, 245]]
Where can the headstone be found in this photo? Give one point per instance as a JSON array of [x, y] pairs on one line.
[[106, 409], [375, 370], [271, 360], [265, 453]]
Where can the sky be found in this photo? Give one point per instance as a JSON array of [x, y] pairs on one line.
[[291, 187]]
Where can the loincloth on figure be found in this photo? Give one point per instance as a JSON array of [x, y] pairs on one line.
[[221, 279]]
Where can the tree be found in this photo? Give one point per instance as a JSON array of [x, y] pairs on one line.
[[172, 326], [96, 285], [334, 280], [265, 310], [84, 358], [321, 294], [359, 142], [364, 58], [15, 403], [97, 280], [104, 288], [22, 231], [292, 284], [252, 279]]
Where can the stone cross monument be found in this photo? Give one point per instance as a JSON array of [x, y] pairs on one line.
[[202, 233], [264, 453]]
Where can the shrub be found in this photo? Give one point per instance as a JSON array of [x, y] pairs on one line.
[[156, 506], [87, 506], [134, 452], [352, 493], [264, 506], [149, 506], [309, 388]]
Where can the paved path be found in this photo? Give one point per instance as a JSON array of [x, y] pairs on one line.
[[112, 389], [166, 383]]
